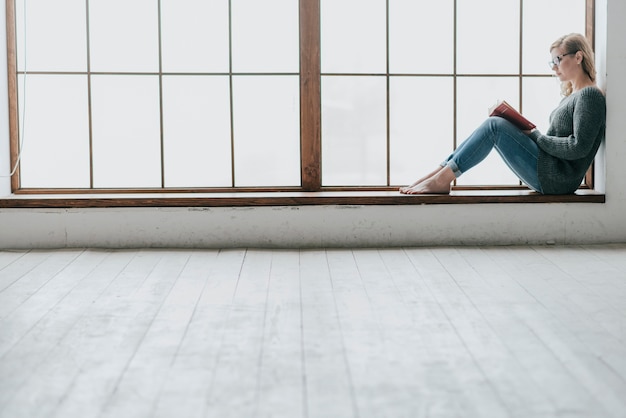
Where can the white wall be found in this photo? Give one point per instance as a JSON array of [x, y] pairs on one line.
[[354, 225]]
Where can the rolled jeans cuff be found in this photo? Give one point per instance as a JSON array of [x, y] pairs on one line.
[[453, 167]]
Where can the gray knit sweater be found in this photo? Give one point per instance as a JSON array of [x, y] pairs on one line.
[[569, 146]]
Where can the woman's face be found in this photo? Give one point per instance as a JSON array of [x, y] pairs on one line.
[[563, 64]]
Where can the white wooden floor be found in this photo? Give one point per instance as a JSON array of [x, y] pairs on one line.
[[445, 332]]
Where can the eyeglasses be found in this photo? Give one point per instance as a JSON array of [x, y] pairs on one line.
[[557, 60]]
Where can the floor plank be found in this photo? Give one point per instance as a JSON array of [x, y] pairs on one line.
[[361, 337], [546, 371], [35, 305], [9, 257], [281, 383], [99, 345], [562, 328], [192, 372], [500, 368], [16, 265], [42, 341], [596, 287], [403, 332], [113, 345], [329, 385], [442, 375], [137, 390], [27, 275], [234, 390]]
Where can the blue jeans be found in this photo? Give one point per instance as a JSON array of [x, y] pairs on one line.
[[516, 148]]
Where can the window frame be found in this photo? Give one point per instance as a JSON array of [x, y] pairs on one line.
[[311, 190]]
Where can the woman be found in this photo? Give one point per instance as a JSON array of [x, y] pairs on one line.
[[550, 163]]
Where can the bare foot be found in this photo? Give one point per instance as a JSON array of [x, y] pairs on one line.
[[428, 186], [437, 183], [406, 189]]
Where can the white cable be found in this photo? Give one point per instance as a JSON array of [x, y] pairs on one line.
[[23, 118]]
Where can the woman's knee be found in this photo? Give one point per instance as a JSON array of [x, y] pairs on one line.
[[497, 123]]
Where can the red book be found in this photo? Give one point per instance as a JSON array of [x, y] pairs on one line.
[[506, 111]]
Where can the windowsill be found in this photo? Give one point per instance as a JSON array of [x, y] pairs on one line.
[[289, 199]]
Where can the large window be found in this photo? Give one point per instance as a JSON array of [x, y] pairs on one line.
[[270, 94]]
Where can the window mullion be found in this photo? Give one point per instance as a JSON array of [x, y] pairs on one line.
[[89, 108], [388, 104], [161, 138], [13, 95], [310, 95]]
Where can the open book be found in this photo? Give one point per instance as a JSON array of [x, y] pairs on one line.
[[506, 111]]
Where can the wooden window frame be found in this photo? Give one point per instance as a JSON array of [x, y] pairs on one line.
[[311, 191]]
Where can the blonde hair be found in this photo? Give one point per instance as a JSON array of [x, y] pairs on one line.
[[571, 44]]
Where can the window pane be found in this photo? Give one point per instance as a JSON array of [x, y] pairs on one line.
[[124, 35], [541, 96], [56, 131], [196, 131], [52, 44], [265, 36], [353, 36], [421, 118], [421, 36], [126, 137], [266, 111], [488, 36], [542, 26], [354, 131], [474, 97], [194, 35]]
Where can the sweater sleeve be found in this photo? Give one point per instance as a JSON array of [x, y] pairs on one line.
[[589, 112]]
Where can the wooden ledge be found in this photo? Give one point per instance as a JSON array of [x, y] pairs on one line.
[[289, 199]]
